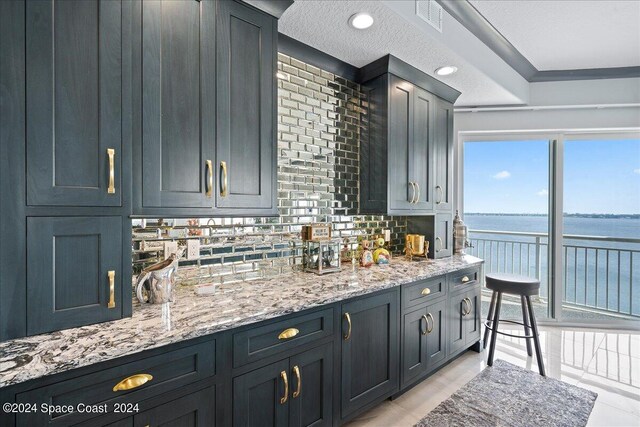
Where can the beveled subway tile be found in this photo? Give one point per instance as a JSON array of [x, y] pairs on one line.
[[320, 117]]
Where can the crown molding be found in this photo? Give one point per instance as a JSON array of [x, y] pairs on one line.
[[478, 25]]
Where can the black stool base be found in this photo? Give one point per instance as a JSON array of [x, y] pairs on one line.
[[528, 322]]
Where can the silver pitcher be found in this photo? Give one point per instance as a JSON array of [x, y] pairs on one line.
[[156, 283]]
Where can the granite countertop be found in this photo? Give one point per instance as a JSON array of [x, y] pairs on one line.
[[192, 315]]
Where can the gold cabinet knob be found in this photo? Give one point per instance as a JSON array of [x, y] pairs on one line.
[[426, 291]]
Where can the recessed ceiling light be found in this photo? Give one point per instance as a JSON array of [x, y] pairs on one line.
[[447, 70], [361, 21]]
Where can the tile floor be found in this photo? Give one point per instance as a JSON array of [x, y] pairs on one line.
[[605, 361]]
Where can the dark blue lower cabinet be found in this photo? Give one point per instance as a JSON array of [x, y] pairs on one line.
[[295, 392], [370, 336], [193, 410]]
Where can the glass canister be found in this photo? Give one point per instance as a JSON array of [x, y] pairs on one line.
[[321, 256]]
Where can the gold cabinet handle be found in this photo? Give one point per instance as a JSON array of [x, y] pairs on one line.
[[429, 328], [224, 188], [111, 188], [288, 333], [348, 335], [439, 200], [418, 196], [132, 382], [284, 398], [465, 279], [296, 372], [438, 247], [425, 291], [209, 191], [413, 192], [112, 289], [426, 328]]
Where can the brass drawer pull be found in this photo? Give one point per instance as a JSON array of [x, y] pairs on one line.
[[348, 335], [111, 188], [426, 291], [465, 279], [296, 372], [224, 188], [288, 333], [284, 398], [209, 191], [132, 382], [112, 289]]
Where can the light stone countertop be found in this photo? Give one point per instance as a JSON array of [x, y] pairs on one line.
[[191, 316]]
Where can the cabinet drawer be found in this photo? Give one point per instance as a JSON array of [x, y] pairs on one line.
[[169, 371], [464, 278], [254, 344], [422, 291]]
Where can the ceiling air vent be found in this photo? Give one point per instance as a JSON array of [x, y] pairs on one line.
[[431, 12]]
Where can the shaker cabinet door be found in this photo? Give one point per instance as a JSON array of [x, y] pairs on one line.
[[436, 334], [311, 387], [261, 397], [443, 155], [246, 101], [193, 410], [74, 272], [370, 328], [423, 150], [443, 235], [401, 186], [414, 343], [176, 155], [472, 320], [73, 103], [457, 324]]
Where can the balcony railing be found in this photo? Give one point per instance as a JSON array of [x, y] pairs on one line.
[[599, 272]]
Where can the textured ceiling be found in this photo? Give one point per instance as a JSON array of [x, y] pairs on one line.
[[569, 34], [324, 25]]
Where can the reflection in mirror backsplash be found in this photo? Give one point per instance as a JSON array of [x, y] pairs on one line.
[[320, 116]]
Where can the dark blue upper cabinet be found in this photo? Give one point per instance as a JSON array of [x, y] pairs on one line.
[[397, 152], [73, 103], [246, 105], [205, 143], [74, 272], [443, 147], [178, 104], [406, 153]]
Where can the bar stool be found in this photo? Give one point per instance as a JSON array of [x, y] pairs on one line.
[[501, 283]]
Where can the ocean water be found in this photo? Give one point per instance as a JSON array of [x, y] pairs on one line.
[[605, 275]]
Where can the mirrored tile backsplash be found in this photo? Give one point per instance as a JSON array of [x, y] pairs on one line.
[[320, 117]]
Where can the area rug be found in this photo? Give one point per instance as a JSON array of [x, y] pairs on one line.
[[506, 395]]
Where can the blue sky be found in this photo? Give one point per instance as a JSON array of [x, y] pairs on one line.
[[513, 177]]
